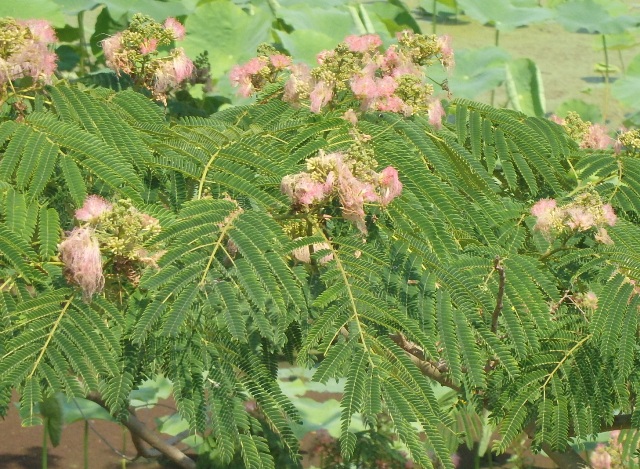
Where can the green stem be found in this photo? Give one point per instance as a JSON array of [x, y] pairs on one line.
[[622, 66], [124, 448], [496, 42], [45, 435], [85, 448], [605, 108], [434, 19], [83, 45]]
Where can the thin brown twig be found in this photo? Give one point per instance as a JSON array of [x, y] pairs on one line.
[[500, 299]]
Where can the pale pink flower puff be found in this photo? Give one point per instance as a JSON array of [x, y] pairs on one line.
[[364, 43], [31, 57], [175, 27], [94, 206], [80, 253]]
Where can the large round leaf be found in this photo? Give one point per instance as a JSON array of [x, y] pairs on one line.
[[41, 9], [627, 88], [159, 11], [304, 44], [591, 17], [503, 14], [524, 87], [230, 34], [478, 71], [331, 21], [73, 7], [389, 18]]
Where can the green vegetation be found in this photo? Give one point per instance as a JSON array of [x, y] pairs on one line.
[[458, 269]]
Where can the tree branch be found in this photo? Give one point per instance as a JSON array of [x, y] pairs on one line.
[[500, 300], [140, 433], [416, 355], [569, 459]]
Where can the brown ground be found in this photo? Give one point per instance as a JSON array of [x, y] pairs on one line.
[[21, 448]]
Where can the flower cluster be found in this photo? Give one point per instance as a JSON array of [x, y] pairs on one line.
[[588, 135], [24, 51], [259, 71], [584, 213], [119, 232], [335, 175], [629, 139], [586, 300], [135, 51], [608, 456], [391, 80]]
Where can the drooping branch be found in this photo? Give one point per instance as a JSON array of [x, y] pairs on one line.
[[140, 433], [568, 459], [427, 368], [500, 299]]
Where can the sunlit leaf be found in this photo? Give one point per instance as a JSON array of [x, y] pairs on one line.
[[478, 71], [626, 88], [503, 14], [41, 9], [586, 111], [230, 34], [524, 87], [588, 16]]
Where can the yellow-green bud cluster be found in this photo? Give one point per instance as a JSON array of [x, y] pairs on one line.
[[630, 139], [12, 36]]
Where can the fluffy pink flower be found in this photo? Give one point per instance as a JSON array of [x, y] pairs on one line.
[[557, 119], [302, 189], [600, 458], [446, 52], [280, 61], [393, 104], [94, 206], [323, 55], [397, 64], [148, 46], [364, 43], [297, 83], [320, 96], [175, 27], [112, 48], [33, 60], [608, 214], [596, 138], [183, 66], [602, 236], [352, 194], [579, 219], [253, 66], [364, 87], [242, 75], [436, 113], [386, 85], [80, 253], [389, 184], [350, 116], [544, 210], [171, 73], [41, 30], [543, 207]]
